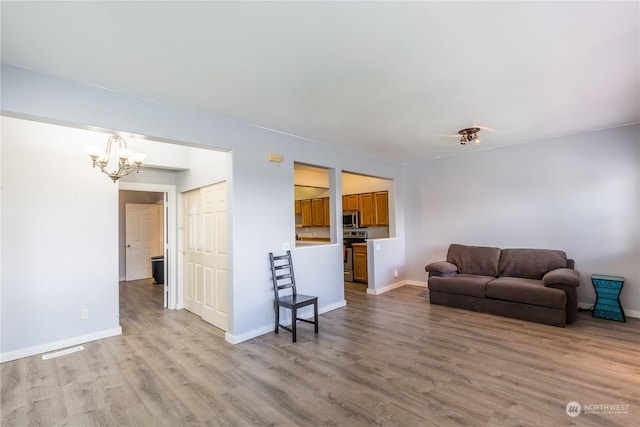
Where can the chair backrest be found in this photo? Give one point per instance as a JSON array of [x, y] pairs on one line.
[[282, 274]]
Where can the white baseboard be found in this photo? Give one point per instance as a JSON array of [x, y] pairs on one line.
[[417, 283], [335, 306], [632, 313], [395, 286], [237, 339], [384, 289], [57, 345]]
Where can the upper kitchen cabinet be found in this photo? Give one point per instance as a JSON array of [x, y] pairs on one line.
[[381, 208], [305, 212], [317, 213], [365, 202], [326, 209], [313, 212], [350, 202], [374, 209]]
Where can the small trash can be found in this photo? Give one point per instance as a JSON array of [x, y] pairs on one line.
[[157, 269]]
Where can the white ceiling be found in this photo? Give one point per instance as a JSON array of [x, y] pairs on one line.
[[392, 80]]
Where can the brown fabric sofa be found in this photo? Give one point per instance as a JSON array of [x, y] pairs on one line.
[[537, 285]]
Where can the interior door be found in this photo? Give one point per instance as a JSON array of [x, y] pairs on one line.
[[205, 255], [193, 289], [141, 240], [214, 254], [163, 244]]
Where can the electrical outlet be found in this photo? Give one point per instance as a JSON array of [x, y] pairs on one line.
[[395, 273], [84, 313]]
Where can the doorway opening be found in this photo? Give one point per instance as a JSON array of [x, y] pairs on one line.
[[141, 223], [148, 237]]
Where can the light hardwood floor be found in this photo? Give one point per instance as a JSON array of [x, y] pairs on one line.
[[390, 359]]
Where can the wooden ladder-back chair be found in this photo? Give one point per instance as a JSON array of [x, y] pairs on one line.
[[284, 281]]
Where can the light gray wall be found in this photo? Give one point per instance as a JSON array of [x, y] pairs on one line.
[[206, 167], [579, 194], [59, 241], [260, 199]]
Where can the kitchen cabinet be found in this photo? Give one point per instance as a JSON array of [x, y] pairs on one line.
[[365, 201], [381, 208], [374, 209], [326, 210], [317, 212], [360, 263], [314, 212], [350, 202], [297, 207], [305, 207]]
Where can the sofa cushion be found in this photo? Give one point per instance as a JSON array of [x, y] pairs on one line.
[[460, 284], [530, 263], [478, 260], [527, 291]]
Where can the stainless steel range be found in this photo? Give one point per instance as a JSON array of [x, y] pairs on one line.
[[349, 237]]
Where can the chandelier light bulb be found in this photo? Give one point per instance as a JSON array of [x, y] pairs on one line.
[[137, 158], [124, 153], [94, 152]]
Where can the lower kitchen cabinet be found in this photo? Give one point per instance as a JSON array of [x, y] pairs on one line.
[[360, 263]]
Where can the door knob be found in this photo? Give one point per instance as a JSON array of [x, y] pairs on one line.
[[128, 246]]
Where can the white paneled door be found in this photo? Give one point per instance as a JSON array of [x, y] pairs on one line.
[[193, 289], [141, 223], [205, 256]]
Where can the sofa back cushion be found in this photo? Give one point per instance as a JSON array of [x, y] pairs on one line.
[[479, 260], [530, 263]]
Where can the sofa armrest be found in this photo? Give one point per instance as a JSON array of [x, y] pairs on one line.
[[562, 276], [441, 268]]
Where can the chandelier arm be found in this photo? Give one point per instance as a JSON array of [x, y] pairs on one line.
[[107, 154]]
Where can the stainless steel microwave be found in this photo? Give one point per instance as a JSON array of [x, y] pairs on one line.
[[350, 219]]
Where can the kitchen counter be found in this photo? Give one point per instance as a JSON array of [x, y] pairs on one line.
[[311, 242]]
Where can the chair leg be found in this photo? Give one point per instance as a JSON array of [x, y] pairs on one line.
[[294, 321], [277, 307], [315, 316]]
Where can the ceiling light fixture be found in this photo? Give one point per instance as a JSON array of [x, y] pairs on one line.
[[127, 161], [469, 135]]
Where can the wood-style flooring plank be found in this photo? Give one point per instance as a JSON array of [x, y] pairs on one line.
[[389, 360]]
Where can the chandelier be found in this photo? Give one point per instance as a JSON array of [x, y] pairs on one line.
[[469, 135], [126, 160]]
